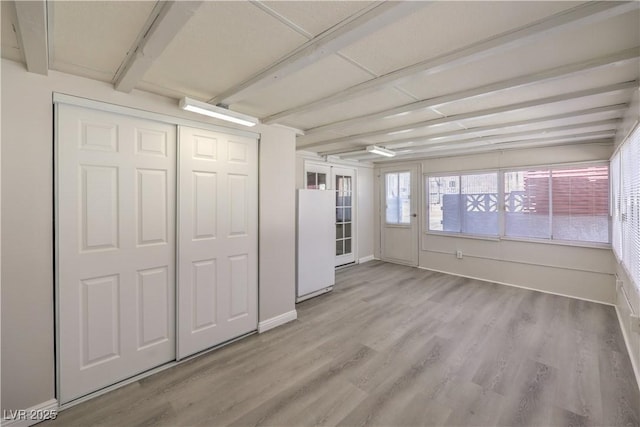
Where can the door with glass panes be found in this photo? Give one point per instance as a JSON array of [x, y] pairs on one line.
[[343, 183], [399, 215]]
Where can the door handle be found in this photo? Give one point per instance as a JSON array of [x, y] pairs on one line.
[[414, 215]]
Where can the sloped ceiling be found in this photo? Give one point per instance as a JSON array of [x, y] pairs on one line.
[[421, 78]]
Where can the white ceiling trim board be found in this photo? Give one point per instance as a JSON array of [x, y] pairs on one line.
[[476, 114], [495, 138], [621, 57], [32, 34], [590, 138], [587, 13], [416, 142], [343, 34], [164, 23], [295, 27]]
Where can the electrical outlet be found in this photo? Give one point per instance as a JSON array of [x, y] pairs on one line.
[[635, 323], [459, 254]]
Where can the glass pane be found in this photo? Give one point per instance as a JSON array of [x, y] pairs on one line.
[[479, 194], [526, 202], [444, 203], [346, 199], [580, 204], [347, 214], [347, 246], [347, 229], [339, 248], [339, 231], [347, 183], [392, 198], [339, 215], [311, 180], [404, 182], [322, 181], [339, 199]]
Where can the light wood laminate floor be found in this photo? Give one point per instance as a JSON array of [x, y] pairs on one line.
[[399, 346]]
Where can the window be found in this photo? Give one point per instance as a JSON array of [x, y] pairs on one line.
[[560, 203], [625, 206], [580, 204], [526, 204], [464, 204], [398, 194], [316, 181], [343, 214]]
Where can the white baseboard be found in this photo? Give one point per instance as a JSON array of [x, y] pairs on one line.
[[30, 416], [625, 336], [518, 286], [279, 320], [366, 259]]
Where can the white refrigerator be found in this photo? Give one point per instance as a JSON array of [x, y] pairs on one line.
[[316, 232]]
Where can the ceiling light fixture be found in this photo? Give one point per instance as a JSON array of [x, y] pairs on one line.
[[374, 149], [221, 113]]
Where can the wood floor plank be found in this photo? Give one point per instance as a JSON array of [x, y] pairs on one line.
[[398, 346]]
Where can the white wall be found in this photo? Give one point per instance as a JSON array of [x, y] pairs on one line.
[[364, 197], [581, 272], [27, 221]]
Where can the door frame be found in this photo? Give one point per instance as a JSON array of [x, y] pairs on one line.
[[353, 173], [310, 165], [416, 211]]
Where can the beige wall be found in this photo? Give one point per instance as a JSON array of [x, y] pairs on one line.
[[27, 221], [364, 197], [582, 272]]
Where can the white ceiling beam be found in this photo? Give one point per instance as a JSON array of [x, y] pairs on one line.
[[357, 138], [32, 34], [583, 14], [343, 34], [604, 137], [563, 71], [416, 142], [504, 137], [408, 143], [164, 23]]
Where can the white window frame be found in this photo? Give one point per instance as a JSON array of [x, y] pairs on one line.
[[460, 174], [501, 205]]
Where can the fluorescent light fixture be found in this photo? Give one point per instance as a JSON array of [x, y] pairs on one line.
[[374, 149], [194, 106]]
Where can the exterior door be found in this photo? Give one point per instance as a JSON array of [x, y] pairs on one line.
[[343, 181], [399, 215], [218, 239], [115, 247]]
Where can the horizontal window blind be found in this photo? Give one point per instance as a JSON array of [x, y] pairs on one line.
[[580, 204]]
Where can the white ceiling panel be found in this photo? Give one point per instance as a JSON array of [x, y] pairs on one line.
[[92, 38], [381, 99], [442, 27], [582, 44], [331, 74], [314, 17], [587, 118], [222, 45], [10, 47], [391, 122], [599, 78], [550, 109]]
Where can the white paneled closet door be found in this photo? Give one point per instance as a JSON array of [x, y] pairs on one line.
[[115, 207], [218, 238]]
